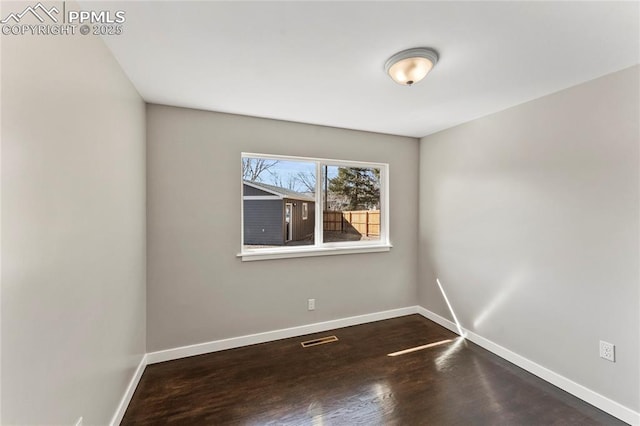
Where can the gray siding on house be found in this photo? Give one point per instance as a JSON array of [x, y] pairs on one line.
[[263, 220], [250, 190]]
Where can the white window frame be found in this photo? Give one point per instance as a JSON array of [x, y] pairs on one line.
[[288, 209], [320, 248]]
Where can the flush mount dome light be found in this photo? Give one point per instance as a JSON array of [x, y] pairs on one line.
[[412, 65]]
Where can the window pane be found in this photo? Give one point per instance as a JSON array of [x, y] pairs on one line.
[[274, 195], [351, 203]]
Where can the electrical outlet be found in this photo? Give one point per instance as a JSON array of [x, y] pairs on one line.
[[311, 304], [608, 351]]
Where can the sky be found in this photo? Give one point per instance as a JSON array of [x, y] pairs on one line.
[[285, 172]]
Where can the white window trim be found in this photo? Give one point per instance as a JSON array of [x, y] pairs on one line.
[[285, 253], [320, 248]]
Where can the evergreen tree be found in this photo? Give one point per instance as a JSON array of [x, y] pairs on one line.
[[361, 186]]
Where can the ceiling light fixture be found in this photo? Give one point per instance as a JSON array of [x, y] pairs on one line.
[[412, 65]]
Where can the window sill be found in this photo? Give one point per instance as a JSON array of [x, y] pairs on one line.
[[313, 251]]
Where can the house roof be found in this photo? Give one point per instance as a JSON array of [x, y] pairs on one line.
[[279, 191]]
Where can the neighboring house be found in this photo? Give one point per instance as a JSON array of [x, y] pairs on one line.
[[275, 216]]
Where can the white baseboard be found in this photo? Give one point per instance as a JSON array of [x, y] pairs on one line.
[[126, 398], [252, 339], [605, 404], [450, 325]]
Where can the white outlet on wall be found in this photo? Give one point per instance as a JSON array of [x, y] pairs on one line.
[[311, 304], [608, 351]]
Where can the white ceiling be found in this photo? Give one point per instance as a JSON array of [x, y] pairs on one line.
[[322, 62]]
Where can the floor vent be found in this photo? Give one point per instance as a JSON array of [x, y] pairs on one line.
[[320, 341]]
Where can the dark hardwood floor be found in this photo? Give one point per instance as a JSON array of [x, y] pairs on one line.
[[354, 382]]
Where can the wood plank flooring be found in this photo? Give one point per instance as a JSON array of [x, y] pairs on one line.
[[354, 382]]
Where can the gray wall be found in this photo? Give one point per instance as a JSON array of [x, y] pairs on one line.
[[198, 290], [73, 230], [529, 217]]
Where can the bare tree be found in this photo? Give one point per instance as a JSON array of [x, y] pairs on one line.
[[307, 181], [291, 183], [253, 168]]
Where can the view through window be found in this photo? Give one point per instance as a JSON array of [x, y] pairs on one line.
[[351, 203], [290, 202]]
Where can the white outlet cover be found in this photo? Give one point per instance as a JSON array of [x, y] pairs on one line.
[[607, 351]]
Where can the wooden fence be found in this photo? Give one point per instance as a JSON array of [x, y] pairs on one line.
[[364, 222]]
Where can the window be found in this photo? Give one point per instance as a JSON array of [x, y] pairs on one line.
[[294, 207]]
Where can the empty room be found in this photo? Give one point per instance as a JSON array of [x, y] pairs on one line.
[[320, 213]]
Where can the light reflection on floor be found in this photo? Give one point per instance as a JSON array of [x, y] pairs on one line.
[[488, 387], [385, 398], [315, 412], [444, 361], [376, 399], [419, 348]]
